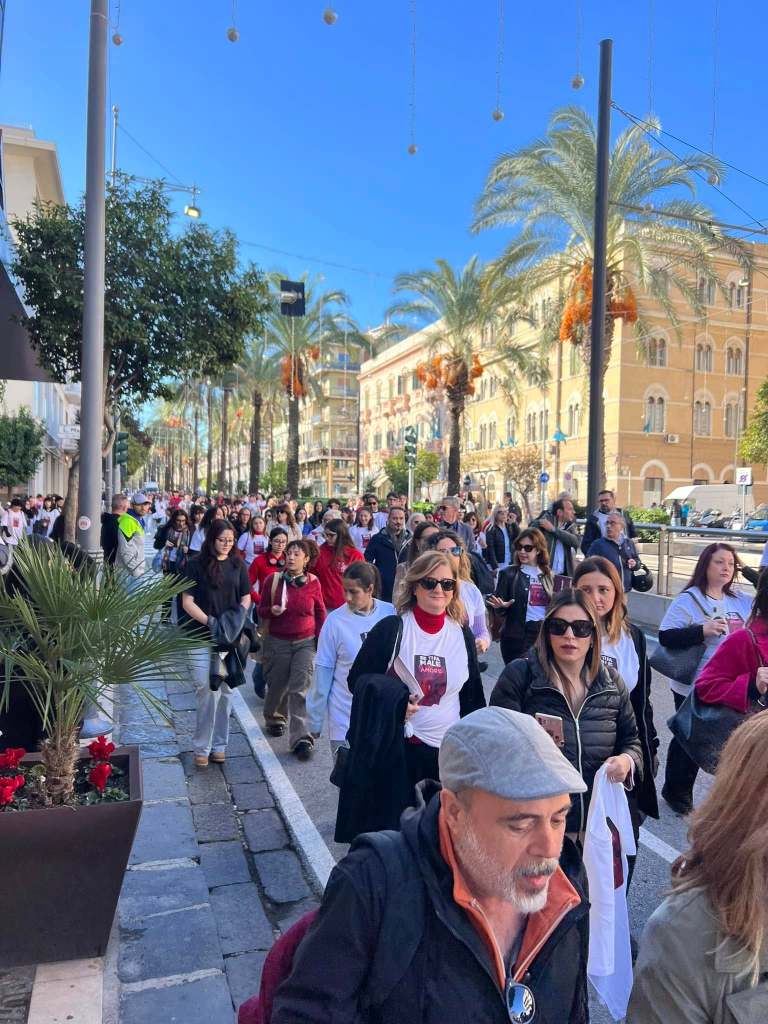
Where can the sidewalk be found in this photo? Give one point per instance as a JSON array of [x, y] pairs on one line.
[[212, 877]]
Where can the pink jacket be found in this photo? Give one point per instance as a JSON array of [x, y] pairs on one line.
[[726, 677]]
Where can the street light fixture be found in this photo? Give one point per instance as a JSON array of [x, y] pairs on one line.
[[192, 209]]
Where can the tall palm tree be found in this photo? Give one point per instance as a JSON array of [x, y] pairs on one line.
[[297, 342], [261, 378], [462, 306], [658, 241]]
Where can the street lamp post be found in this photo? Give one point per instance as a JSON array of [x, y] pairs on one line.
[[92, 361]]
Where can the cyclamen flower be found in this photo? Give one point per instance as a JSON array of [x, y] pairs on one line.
[[100, 750], [8, 787], [11, 757], [99, 774]]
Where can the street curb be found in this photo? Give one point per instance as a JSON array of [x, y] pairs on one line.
[[309, 844]]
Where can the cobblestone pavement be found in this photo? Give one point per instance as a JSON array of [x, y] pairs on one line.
[[212, 878], [15, 993]]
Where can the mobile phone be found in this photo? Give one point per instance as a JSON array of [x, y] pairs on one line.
[[552, 726]]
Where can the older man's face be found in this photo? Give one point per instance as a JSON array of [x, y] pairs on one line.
[[613, 527], [507, 849], [450, 513]]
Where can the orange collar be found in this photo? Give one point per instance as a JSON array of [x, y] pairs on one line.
[[561, 899]]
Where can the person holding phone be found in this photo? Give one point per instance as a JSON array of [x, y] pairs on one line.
[[523, 591], [583, 704]]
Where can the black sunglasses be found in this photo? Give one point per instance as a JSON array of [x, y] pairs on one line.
[[429, 583], [525, 547], [581, 628]]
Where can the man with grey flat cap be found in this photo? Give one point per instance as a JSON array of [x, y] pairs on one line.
[[473, 912]]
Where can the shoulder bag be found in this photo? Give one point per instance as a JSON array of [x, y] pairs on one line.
[[680, 664], [701, 729]]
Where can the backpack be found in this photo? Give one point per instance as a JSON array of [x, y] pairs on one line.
[[482, 574], [397, 934]]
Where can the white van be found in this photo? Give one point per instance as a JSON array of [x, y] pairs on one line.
[[726, 498]]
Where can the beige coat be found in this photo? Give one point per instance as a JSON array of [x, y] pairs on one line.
[[684, 974]]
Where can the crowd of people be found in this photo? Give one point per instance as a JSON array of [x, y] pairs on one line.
[[475, 820]]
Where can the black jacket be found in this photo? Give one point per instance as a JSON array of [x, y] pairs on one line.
[[640, 695], [391, 946], [108, 538], [494, 543], [381, 552], [605, 725], [514, 585], [592, 528], [568, 535]]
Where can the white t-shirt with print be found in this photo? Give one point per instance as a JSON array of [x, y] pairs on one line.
[[538, 599], [15, 522], [622, 656], [474, 602], [439, 665], [340, 640], [252, 544], [361, 535]]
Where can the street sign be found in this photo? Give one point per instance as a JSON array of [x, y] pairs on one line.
[[744, 476], [544, 478], [410, 439], [69, 430]]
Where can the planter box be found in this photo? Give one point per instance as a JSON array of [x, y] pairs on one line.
[[61, 871]]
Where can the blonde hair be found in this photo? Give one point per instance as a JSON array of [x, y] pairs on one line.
[[728, 834], [423, 566], [617, 618]]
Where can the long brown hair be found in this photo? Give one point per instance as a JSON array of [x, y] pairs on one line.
[[423, 566], [699, 577], [728, 834], [540, 543], [617, 618], [543, 646]]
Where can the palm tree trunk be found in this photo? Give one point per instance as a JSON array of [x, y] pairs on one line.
[[292, 468], [209, 478], [455, 410], [196, 455], [255, 462], [224, 441], [271, 438]]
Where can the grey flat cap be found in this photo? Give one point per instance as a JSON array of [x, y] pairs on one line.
[[505, 753], [139, 498]]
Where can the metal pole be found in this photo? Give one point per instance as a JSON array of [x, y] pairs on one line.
[[113, 169], [92, 368], [597, 340], [410, 487]]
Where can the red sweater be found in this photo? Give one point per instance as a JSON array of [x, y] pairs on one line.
[[329, 570], [304, 612], [262, 566], [726, 677]]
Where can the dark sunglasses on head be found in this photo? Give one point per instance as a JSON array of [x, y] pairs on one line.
[[525, 547], [581, 628], [429, 583]]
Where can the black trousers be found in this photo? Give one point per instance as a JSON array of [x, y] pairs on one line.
[[421, 763], [512, 647], [681, 771]]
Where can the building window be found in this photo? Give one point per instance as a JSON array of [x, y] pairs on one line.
[[653, 488], [377, 442], [415, 382], [657, 352], [492, 434], [702, 419], [391, 387], [574, 419], [739, 297], [733, 361], [378, 395], [492, 388], [390, 439], [400, 385], [530, 428], [704, 358], [574, 361], [483, 436], [655, 420], [731, 419], [510, 430], [543, 424], [706, 291]]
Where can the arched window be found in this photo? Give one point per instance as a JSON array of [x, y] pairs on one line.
[[704, 357], [510, 430], [492, 434], [657, 352], [530, 428], [733, 361], [574, 416], [543, 424], [731, 419], [574, 361], [655, 419], [483, 436], [710, 292], [702, 419], [739, 297], [493, 385]]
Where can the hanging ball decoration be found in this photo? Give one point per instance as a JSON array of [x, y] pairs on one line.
[[330, 17], [713, 178], [117, 39], [413, 149], [577, 81], [232, 34], [498, 114]]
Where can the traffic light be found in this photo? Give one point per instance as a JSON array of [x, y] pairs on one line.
[[410, 446], [121, 448]]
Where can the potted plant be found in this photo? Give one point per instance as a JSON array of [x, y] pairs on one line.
[[68, 815]]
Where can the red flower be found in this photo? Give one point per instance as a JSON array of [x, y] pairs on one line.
[[11, 757], [99, 774], [8, 787], [100, 750]]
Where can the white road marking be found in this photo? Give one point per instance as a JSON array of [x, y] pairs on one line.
[[310, 845], [658, 846]]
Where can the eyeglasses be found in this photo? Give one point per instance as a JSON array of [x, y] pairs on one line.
[[525, 547], [429, 583], [521, 1004], [451, 551], [581, 628]]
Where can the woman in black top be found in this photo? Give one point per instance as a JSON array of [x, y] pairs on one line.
[[173, 540], [522, 594], [220, 584]]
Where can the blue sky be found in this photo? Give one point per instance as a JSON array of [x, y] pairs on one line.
[[297, 134]]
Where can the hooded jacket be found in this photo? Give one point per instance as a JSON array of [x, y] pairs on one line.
[[604, 726], [130, 544], [444, 963]]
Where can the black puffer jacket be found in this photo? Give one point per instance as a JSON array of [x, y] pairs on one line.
[[605, 725]]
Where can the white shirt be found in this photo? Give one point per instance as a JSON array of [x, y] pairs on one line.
[[196, 541], [609, 966], [340, 640], [622, 656], [436, 664], [252, 544], [15, 522], [558, 558], [361, 535], [538, 599], [380, 519], [474, 602]]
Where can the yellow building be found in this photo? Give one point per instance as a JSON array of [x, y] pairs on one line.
[[672, 417]]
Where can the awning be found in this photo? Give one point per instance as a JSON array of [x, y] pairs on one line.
[[18, 360]]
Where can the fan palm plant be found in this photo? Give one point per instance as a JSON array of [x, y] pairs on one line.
[[461, 306], [659, 240], [66, 636]]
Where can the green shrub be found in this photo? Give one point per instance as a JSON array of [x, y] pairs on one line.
[[649, 515]]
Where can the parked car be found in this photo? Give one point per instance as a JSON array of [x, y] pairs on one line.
[[758, 520]]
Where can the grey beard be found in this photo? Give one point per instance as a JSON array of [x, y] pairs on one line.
[[487, 881]]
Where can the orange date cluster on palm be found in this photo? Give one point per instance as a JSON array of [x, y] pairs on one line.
[[452, 374], [577, 313], [295, 386]]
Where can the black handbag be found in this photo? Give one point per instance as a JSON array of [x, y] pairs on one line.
[[702, 730], [339, 770], [642, 578], [680, 663]]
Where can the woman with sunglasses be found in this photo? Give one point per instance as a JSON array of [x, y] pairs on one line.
[[523, 591], [583, 704], [500, 539], [336, 555], [623, 647], [285, 519], [449, 544]]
